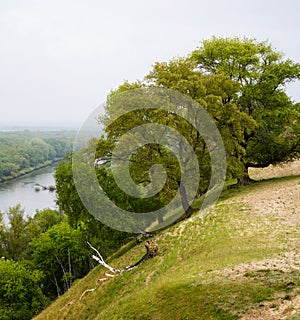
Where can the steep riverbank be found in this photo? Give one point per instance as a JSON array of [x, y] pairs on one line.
[[240, 262]]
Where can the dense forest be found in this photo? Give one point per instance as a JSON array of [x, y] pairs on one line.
[[239, 82], [41, 256], [23, 151]]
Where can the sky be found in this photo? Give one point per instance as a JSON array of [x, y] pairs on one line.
[[59, 59]]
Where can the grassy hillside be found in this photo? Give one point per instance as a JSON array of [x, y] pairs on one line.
[[241, 262]]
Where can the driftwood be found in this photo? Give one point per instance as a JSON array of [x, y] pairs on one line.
[[151, 251]]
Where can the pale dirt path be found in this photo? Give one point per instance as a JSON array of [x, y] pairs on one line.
[[278, 203]]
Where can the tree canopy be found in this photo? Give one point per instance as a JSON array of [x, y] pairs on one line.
[[210, 91], [240, 82], [22, 151], [262, 74], [21, 296]]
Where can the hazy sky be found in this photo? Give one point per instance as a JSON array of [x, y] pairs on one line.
[[59, 59]]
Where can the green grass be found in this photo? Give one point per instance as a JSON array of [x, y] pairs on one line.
[[182, 281]]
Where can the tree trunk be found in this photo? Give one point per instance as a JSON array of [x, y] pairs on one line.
[[243, 180], [188, 210], [160, 218]]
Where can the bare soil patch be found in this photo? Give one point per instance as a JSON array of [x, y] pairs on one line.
[[276, 204]]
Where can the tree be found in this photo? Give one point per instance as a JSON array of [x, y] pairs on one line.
[[2, 236], [15, 235], [43, 220], [212, 92], [78, 216], [61, 253], [20, 294], [262, 74], [239, 82]]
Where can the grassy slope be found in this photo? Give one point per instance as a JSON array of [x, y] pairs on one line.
[[184, 281]]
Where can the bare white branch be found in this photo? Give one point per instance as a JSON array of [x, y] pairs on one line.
[[102, 262], [85, 292], [151, 248], [109, 275]]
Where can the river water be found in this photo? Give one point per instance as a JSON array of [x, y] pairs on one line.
[[22, 191]]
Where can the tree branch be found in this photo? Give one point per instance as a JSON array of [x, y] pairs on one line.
[[151, 248], [101, 260], [85, 292]]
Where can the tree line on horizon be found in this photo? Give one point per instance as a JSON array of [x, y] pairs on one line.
[[21, 152]]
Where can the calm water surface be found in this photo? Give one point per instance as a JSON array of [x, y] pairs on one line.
[[22, 191]]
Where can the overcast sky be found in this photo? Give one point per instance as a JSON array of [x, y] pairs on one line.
[[60, 58]]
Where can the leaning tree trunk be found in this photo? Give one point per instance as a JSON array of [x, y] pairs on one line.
[[188, 210]]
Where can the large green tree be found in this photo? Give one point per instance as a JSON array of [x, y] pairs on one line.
[[15, 237], [239, 82], [61, 253], [262, 74], [21, 296], [212, 92]]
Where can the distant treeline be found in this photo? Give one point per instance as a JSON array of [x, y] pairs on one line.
[[24, 151]]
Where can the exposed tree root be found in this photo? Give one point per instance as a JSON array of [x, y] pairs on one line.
[[152, 250]]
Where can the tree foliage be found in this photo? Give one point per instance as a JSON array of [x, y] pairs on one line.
[[262, 74], [241, 84], [61, 253], [15, 236], [21, 152], [21, 296], [213, 92], [17, 233], [78, 216]]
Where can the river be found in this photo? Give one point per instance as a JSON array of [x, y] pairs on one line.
[[22, 191]]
